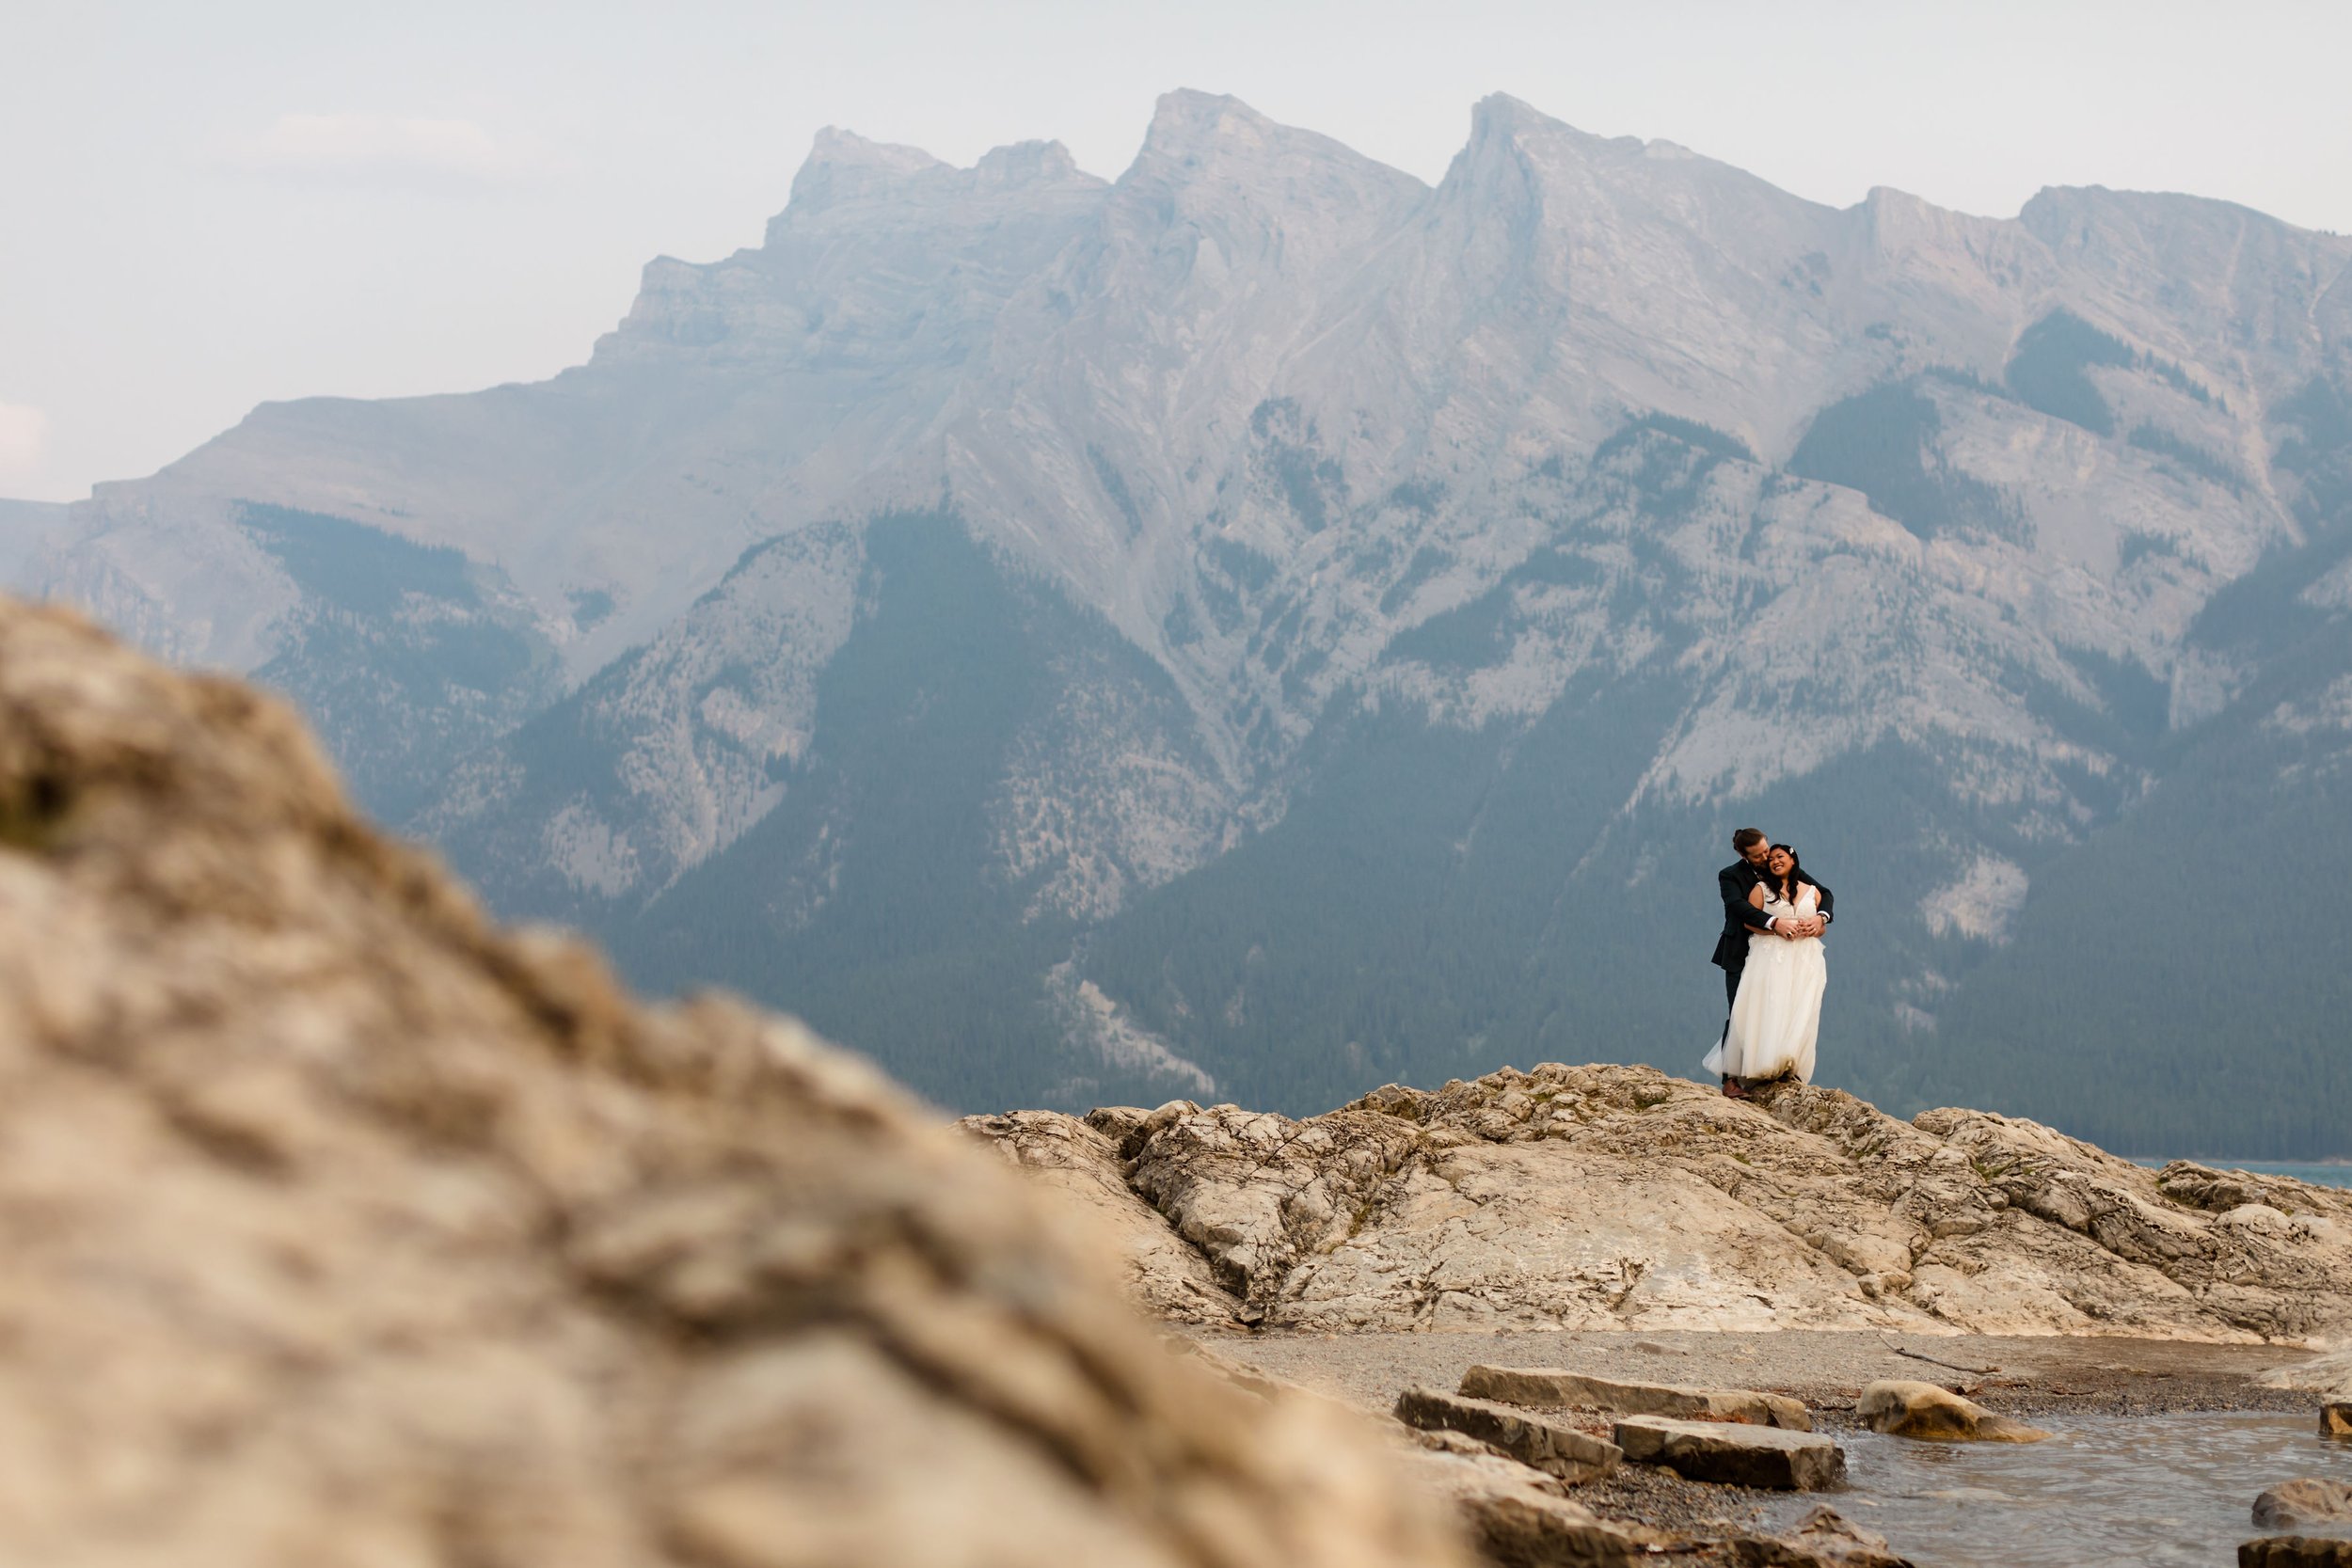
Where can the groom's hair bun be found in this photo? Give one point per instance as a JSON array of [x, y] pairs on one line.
[[1745, 839]]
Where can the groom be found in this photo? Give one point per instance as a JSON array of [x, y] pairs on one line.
[[1735, 882]]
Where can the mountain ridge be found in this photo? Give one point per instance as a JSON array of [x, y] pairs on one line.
[[1587, 501]]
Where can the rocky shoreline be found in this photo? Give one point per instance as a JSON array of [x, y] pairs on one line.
[[1620, 1224], [1608, 1197], [1663, 1515], [1826, 1370]]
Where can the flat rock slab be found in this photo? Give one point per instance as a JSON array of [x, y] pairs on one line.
[[2294, 1551], [1734, 1453], [1936, 1414], [2308, 1501], [1555, 1387], [1551, 1445]]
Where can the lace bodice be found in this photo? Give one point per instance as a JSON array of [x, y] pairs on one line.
[[1807, 902]]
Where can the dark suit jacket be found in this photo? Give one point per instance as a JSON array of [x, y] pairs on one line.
[[1735, 881]]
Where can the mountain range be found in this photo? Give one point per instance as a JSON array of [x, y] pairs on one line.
[[1265, 627]]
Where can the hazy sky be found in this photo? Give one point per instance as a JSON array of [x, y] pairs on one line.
[[210, 204]]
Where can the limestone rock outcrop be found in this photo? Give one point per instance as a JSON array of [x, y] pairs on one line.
[[1162, 1272], [1620, 1197], [344, 1228]]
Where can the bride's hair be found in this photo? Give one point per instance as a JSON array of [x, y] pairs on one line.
[[1789, 884]]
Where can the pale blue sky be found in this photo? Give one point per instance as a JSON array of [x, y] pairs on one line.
[[205, 205]]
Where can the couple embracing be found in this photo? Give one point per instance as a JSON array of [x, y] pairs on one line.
[[1774, 971]]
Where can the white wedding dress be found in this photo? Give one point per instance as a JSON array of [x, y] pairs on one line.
[[1778, 1011]]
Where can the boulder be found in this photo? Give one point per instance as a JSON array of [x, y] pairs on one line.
[[1519, 1518], [2327, 1374], [1922, 1410], [344, 1227], [2308, 1501], [2335, 1419], [1823, 1539], [2295, 1551], [1733, 1454], [1553, 1447], [1545, 1387]]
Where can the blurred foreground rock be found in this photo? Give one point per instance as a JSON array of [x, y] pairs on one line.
[[343, 1228], [1620, 1197]]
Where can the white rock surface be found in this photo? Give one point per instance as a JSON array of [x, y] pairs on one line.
[[1619, 1197]]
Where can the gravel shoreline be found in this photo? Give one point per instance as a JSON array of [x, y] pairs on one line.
[[1827, 1370]]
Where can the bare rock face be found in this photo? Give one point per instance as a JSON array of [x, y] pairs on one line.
[[1620, 1197], [2311, 1500], [346, 1228], [1924, 1411]]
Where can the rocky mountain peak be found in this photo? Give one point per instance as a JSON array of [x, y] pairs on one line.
[[1596, 432], [855, 189], [1029, 162], [842, 164], [1209, 142], [1189, 123]]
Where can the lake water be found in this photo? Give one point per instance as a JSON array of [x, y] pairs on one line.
[[2147, 1491], [2318, 1176]]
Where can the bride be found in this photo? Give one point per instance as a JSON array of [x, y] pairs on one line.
[[1778, 1011]]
